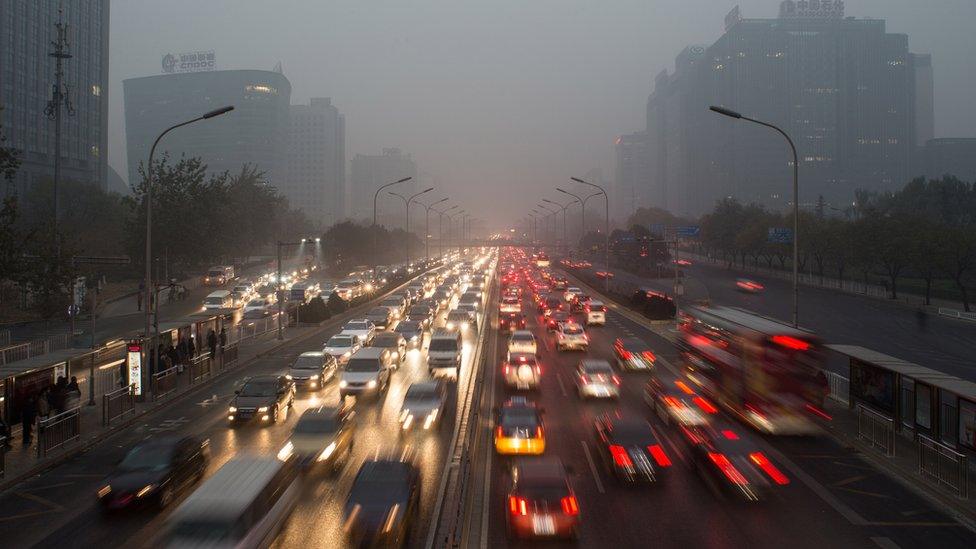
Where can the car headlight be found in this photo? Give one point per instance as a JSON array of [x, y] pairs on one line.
[[343, 383], [372, 384], [145, 490], [262, 409], [232, 409], [287, 376], [313, 378], [450, 325], [104, 491], [286, 451], [327, 452]]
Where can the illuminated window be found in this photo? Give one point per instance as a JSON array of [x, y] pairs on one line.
[[261, 88], [96, 90]]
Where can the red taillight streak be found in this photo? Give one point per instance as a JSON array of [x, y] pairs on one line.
[[705, 405], [790, 342], [649, 356], [760, 459], [517, 506], [659, 456], [570, 507], [673, 402], [585, 379], [727, 468], [499, 432], [813, 409], [626, 355], [620, 456], [684, 387], [616, 380], [730, 435]]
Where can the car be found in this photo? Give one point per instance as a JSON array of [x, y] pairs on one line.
[[263, 399], [423, 406], [631, 449], [633, 354], [381, 317], [154, 472], [552, 305], [312, 370], [442, 297], [604, 274], [540, 501], [675, 402], [522, 371], [363, 329], [571, 294], [444, 354], [323, 438], [571, 336], [422, 314], [596, 313], [459, 321], [748, 286], [397, 305], [342, 346], [508, 322], [395, 343], [731, 462], [519, 428], [596, 379], [382, 504], [510, 304], [257, 308], [412, 332], [471, 298], [367, 373], [522, 341]]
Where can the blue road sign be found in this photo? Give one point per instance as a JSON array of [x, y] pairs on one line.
[[688, 231], [780, 235]]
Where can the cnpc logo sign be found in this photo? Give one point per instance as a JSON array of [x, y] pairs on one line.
[[194, 61]]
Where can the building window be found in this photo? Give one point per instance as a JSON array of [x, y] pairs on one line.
[[96, 90], [95, 151]]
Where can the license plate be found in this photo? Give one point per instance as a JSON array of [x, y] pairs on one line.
[[543, 525]]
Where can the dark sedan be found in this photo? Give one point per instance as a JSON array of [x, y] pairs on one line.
[[631, 450], [382, 504], [154, 472]]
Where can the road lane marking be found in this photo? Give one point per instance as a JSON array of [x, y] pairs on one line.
[[596, 474], [884, 543], [849, 480], [562, 386]]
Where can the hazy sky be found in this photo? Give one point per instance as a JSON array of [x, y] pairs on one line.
[[500, 100]]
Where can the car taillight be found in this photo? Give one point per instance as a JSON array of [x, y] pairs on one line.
[[760, 459], [517, 506], [649, 356], [570, 507], [620, 456], [727, 468], [659, 456], [585, 379], [684, 387], [627, 355], [499, 432], [538, 432], [705, 405], [507, 369], [616, 380]]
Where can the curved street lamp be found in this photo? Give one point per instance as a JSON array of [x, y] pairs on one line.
[[563, 208], [427, 208], [607, 229], [375, 196]]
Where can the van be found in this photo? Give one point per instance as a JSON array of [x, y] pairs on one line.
[[367, 372], [244, 504], [221, 299], [596, 313], [218, 275], [444, 354]]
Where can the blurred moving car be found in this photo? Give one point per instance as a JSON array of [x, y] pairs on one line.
[[257, 308], [412, 332], [508, 322], [323, 438], [363, 329], [444, 354], [522, 371], [633, 354], [367, 373], [155, 471], [459, 321], [519, 428], [571, 336], [631, 450], [423, 406], [731, 463], [393, 342], [522, 341], [312, 370], [342, 346], [262, 398], [748, 286], [382, 504], [381, 317], [596, 379], [541, 502], [596, 313]]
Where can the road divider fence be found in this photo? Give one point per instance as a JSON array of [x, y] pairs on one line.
[[840, 387], [955, 313], [201, 368], [57, 431], [164, 383], [945, 466], [30, 349], [117, 404], [876, 429]]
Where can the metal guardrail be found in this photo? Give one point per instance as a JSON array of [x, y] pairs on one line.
[[201, 368], [945, 466], [58, 431], [164, 383], [840, 387], [3, 456], [117, 404], [30, 349], [230, 355], [955, 313], [877, 429], [249, 328], [4, 338]]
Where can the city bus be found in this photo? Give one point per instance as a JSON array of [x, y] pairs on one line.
[[766, 373]]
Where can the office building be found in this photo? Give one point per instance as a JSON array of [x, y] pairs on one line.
[[27, 30], [952, 155], [924, 99], [316, 161], [368, 174], [843, 88], [630, 181], [254, 133]]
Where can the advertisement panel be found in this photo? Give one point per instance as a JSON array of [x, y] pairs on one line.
[[133, 366]]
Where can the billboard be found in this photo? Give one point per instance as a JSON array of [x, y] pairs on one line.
[[192, 61]]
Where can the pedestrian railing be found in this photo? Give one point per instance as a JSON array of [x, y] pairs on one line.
[[945, 466], [955, 313], [30, 349], [250, 328], [230, 355], [877, 429], [4, 338], [840, 387], [3, 456], [165, 382], [58, 431], [201, 368], [117, 404]]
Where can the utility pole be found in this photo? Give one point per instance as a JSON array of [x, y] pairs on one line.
[[59, 98]]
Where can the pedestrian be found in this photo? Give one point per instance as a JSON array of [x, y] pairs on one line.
[[223, 339], [191, 348], [28, 413], [72, 394], [212, 342], [73, 386], [42, 405]]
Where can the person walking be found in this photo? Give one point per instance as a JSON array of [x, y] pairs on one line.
[[43, 404], [28, 413], [223, 339], [212, 342]]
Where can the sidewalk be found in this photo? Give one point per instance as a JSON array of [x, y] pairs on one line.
[[22, 461]]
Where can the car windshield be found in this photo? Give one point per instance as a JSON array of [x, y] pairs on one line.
[[148, 457], [259, 388], [519, 417], [256, 303], [317, 424], [340, 341], [307, 363], [421, 392], [597, 368], [523, 338], [356, 326], [405, 327], [386, 340], [632, 433], [363, 365], [444, 345], [214, 301]]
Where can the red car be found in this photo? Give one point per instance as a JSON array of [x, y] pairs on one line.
[[541, 503], [509, 322]]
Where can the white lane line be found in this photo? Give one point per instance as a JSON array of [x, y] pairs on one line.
[[884, 543], [562, 386], [596, 475]]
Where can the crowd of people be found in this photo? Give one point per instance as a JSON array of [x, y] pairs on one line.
[[52, 400]]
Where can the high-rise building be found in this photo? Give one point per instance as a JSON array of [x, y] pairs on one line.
[[254, 133], [630, 185], [27, 29], [924, 99], [843, 88], [369, 173], [316, 161], [950, 155]]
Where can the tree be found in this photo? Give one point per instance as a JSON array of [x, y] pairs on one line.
[[9, 156], [12, 241], [957, 258]]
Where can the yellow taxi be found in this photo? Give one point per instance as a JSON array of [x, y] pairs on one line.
[[519, 429]]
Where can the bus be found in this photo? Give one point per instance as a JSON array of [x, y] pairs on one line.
[[244, 504], [766, 373]]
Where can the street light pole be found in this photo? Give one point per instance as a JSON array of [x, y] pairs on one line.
[[427, 208], [409, 201], [552, 232], [607, 224], [582, 202], [563, 208], [440, 227], [375, 196], [149, 283], [796, 198]]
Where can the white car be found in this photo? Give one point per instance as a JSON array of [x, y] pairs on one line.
[[363, 329], [596, 379], [570, 335], [571, 293], [596, 313], [522, 342], [257, 308], [342, 347]]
